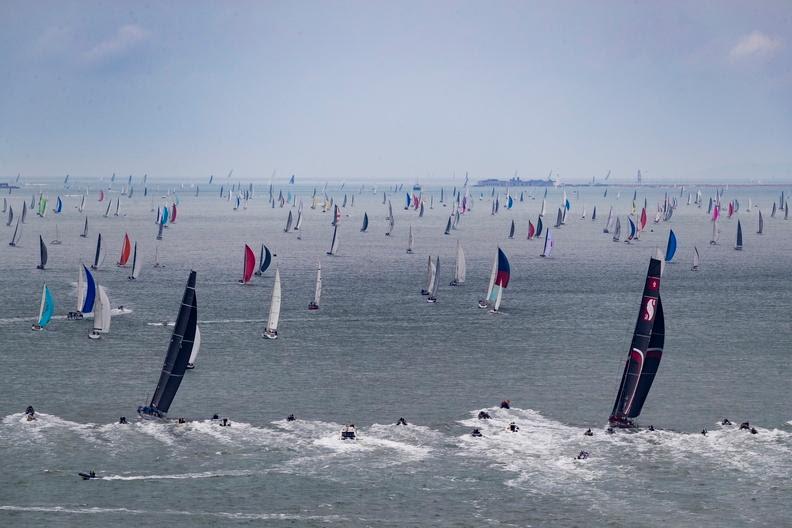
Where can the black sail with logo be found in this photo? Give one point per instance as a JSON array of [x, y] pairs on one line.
[[646, 350]]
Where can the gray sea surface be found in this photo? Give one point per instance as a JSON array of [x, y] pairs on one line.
[[377, 351]]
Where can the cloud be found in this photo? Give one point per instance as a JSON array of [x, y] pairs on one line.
[[755, 45], [126, 40]]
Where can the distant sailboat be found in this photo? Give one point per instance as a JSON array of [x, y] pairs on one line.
[[617, 230], [559, 218], [696, 259], [607, 227], [645, 353], [739, 244], [265, 259], [365, 222], [137, 264], [86, 292], [42, 254], [248, 265], [671, 247], [548, 245], [432, 298], [531, 230], [502, 275], [539, 227], [84, 234], [334, 243], [17, 235], [448, 227], [288, 223], [761, 223], [429, 276], [410, 240], [178, 355], [511, 230], [460, 268], [314, 305], [99, 255], [126, 250], [46, 309], [271, 331], [101, 319]]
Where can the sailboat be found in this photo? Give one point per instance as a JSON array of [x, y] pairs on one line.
[[511, 230], [126, 250], [761, 223], [548, 245], [248, 265], [314, 305], [101, 319], [429, 276], [99, 256], [86, 293], [179, 350], [645, 353], [45, 310], [288, 223], [594, 214], [671, 247], [195, 348], [17, 235], [84, 234], [460, 268], [265, 259], [539, 227], [739, 244], [448, 227], [502, 274], [10, 217], [410, 240], [365, 222], [435, 281], [696, 259], [606, 229], [715, 230], [559, 218], [334, 243], [137, 264], [42, 254], [271, 332], [484, 303], [57, 240], [617, 230]]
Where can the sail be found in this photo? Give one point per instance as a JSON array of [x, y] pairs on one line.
[[460, 268], [696, 258], [99, 255], [58, 205], [179, 350], [548, 245], [559, 218], [365, 222], [173, 214], [334, 243], [531, 230], [436, 278], [318, 287], [85, 229], [502, 274], [126, 250], [671, 247], [511, 230], [298, 223], [410, 240], [10, 216], [739, 236], [17, 235], [448, 227], [46, 309], [195, 348], [102, 311], [275, 304], [42, 253], [645, 352], [248, 265], [761, 223], [137, 264], [265, 260], [607, 227], [288, 223], [594, 214], [539, 227], [633, 229], [86, 291]]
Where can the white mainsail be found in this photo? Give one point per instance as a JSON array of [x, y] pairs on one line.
[[275, 305], [102, 312], [460, 268], [195, 348], [318, 288]]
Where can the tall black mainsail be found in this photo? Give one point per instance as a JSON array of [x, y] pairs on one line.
[[645, 353], [176, 359]]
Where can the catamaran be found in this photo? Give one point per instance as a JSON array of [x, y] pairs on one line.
[[271, 331], [314, 305], [179, 350], [645, 353], [45, 310], [460, 268]]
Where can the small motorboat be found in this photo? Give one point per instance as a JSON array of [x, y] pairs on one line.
[[476, 433], [30, 413], [88, 476], [348, 432]]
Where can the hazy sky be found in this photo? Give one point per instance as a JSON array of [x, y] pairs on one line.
[[397, 90]]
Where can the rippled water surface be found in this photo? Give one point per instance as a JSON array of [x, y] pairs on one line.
[[376, 351]]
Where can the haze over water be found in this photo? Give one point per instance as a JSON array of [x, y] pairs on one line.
[[376, 351]]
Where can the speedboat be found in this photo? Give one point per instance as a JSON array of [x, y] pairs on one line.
[[348, 432]]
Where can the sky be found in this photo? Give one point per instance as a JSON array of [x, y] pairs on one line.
[[397, 91]]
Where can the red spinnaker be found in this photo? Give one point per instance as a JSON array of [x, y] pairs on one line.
[[126, 250], [250, 264]]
